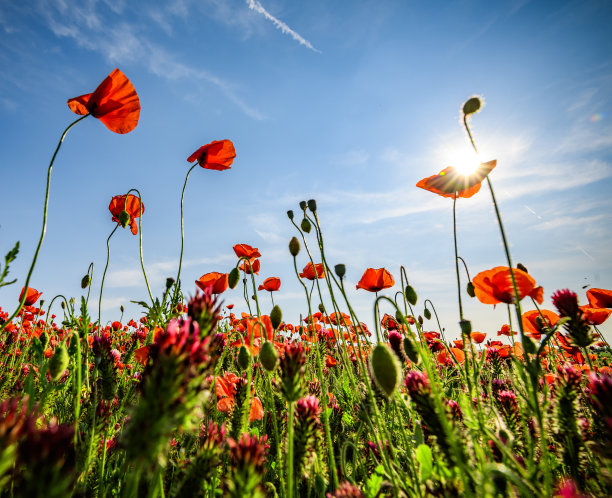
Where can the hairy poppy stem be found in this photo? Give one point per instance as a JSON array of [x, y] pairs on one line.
[[44, 226], [104, 274], [140, 240], [457, 256], [437, 320], [178, 275]]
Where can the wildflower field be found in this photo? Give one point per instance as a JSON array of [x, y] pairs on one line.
[[196, 398]]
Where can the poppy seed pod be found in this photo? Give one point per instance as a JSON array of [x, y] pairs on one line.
[[58, 362], [312, 205], [411, 350], [303, 205], [85, 281], [306, 226], [427, 313], [340, 270], [276, 316], [294, 246], [466, 327], [268, 356], [472, 105], [385, 369], [243, 357], [124, 218], [470, 289], [233, 278], [290, 214], [411, 295]]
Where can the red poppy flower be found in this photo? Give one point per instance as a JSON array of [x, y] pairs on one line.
[[478, 337], [31, 296], [245, 267], [533, 323], [595, 316], [505, 330], [115, 103], [132, 206], [116, 326], [444, 358], [217, 155], [374, 280], [213, 280], [599, 298], [309, 271], [246, 251], [495, 286], [270, 284], [449, 182]]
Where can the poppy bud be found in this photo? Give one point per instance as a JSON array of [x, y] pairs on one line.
[[312, 205], [276, 316], [58, 362], [340, 270], [306, 226], [472, 106], [321, 308], [411, 295], [385, 369], [420, 318], [63, 305], [521, 266], [303, 205], [294, 246], [268, 356], [85, 281], [290, 214], [42, 303], [427, 314], [233, 278], [470, 289], [411, 350], [122, 309], [466, 327], [243, 358], [44, 340], [124, 218], [169, 283]]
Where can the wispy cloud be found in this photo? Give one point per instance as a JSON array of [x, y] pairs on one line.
[[257, 7]]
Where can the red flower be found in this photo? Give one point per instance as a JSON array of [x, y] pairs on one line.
[[245, 267], [478, 337], [309, 271], [505, 330], [595, 316], [218, 155], [534, 324], [449, 182], [116, 326], [115, 103], [31, 296], [495, 286], [374, 280], [271, 284], [599, 298], [132, 206], [246, 251], [214, 280]]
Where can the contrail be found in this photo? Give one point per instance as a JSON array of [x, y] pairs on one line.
[[257, 7]]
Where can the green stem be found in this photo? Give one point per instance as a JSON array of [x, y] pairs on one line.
[[457, 256], [44, 225], [104, 275], [178, 275], [289, 493]]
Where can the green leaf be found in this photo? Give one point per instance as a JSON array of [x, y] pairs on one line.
[[425, 459], [373, 484]]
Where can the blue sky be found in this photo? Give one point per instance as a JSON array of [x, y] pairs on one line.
[[350, 103]]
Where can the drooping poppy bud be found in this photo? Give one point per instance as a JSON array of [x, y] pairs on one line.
[[124, 218], [294, 246], [427, 313], [470, 289], [411, 295], [243, 357], [385, 369], [340, 270], [85, 281], [233, 278], [276, 316], [312, 205], [58, 362], [306, 226], [472, 105], [268, 356], [290, 214]]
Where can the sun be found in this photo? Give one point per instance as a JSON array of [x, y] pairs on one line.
[[465, 162]]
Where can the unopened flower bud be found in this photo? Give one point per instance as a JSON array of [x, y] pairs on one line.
[[303, 205], [85, 281], [521, 266], [420, 318], [290, 214], [427, 314], [340, 270], [276, 316], [470, 289], [243, 357], [312, 205], [321, 308], [169, 283], [44, 339], [58, 362], [63, 305], [124, 218], [472, 105], [306, 226], [411, 350], [411, 295], [385, 369], [294, 246], [466, 327], [122, 309], [268, 356], [233, 278]]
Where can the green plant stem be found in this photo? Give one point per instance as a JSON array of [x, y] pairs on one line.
[[457, 256], [104, 274], [144, 273], [44, 226], [290, 476], [437, 319], [178, 275]]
